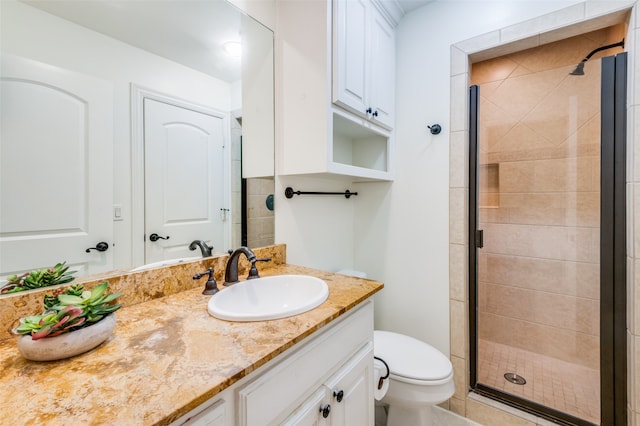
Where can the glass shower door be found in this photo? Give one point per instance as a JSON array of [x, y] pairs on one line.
[[538, 206]]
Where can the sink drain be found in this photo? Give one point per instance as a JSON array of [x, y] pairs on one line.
[[514, 378]]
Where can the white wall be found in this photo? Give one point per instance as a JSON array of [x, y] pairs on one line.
[[317, 229], [402, 229], [32, 33]]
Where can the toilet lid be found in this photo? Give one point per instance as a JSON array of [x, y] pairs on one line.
[[410, 358]]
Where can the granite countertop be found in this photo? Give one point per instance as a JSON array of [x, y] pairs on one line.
[[166, 357]]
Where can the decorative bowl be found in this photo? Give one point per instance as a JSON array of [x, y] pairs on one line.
[[68, 344]]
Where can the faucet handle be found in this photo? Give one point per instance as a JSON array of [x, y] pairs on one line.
[[253, 272], [211, 287]]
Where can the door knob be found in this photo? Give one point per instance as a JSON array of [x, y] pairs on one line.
[[101, 246], [155, 237]]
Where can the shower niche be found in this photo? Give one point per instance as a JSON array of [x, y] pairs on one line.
[[489, 193]]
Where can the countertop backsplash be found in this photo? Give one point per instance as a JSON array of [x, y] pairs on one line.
[[136, 287]]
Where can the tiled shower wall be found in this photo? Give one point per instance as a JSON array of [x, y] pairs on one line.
[[580, 18], [539, 198], [260, 220]]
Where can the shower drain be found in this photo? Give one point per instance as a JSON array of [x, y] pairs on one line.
[[514, 378]]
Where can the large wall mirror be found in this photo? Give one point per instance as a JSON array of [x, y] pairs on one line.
[[130, 129]]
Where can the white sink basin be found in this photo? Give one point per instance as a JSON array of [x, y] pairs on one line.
[[268, 298], [167, 262]]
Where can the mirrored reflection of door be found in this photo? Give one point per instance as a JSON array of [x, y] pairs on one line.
[[56, 172], [184, 180]]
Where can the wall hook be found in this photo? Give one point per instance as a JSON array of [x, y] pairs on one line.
[[435, 129]]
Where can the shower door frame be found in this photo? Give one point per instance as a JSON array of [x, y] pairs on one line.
[[613, 295]]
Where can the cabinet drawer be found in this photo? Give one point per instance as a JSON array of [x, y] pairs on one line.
[[270, 398]]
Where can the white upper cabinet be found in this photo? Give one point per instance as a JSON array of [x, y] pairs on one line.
[[363, 61], [336, 89]]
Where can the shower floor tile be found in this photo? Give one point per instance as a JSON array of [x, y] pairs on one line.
[[566, 387]]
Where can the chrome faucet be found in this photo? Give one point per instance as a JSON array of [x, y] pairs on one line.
[[204, 247], [231, 271]]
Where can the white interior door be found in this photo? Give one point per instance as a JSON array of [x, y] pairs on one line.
[[56, 168], [184, 180]]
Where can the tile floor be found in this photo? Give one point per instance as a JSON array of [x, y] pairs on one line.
[[563, 386]]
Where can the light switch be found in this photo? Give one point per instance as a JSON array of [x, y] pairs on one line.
[[117, 212]]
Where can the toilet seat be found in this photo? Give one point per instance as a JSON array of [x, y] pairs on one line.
[[411, 360]]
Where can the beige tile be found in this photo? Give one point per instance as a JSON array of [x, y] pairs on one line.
[[458, 215], [457, 406], [568, 105], [490, 416], [496, 214], [631, 243], [510, 302], [636, 373], [459, 159], [479, 43], [520, 95], [458, 328], [569, 278], [550, 21], [560, 243], [459, 119], [571, 313], [554, 342], [631, 372], [459, 61], [598, 8], [555, 383], [458, 268], [522, 137], [632, 154], [636, 219], [562, 53], [634, 124], [492, 70], [460, 377], [495, 122], [635, 95], [633, 295]]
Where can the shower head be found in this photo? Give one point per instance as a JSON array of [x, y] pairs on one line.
[[580, 68]]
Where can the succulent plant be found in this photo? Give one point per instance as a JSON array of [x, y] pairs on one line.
[[45, 277], [70, 310]]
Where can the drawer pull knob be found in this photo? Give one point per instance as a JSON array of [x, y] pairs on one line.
[[338, 395], [325, 410]]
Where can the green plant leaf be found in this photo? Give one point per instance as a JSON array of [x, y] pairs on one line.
[[69, 299]]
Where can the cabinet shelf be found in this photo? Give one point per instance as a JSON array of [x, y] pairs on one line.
[[359, 150]]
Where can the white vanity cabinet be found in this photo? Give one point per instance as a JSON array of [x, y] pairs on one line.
[[216, 412], [364, 61], [336, 61], [300, 389], [327, 379], [345, 399]]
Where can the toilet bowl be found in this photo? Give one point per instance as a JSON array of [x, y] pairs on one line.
[[420, 376]]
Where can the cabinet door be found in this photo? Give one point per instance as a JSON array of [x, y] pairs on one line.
[[382, 70], [310, 412], [351, 19], [351, 390]]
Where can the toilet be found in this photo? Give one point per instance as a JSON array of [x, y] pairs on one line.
[[420, 377]]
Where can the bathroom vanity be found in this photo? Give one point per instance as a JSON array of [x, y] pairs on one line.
[[170, 362]]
